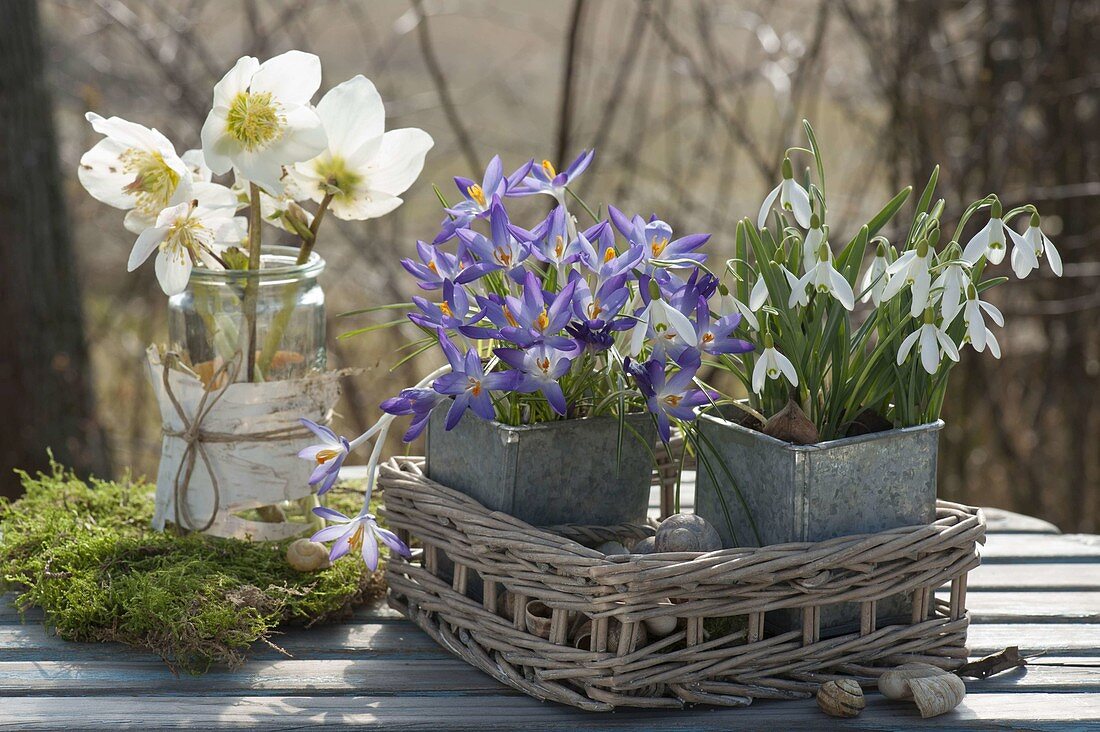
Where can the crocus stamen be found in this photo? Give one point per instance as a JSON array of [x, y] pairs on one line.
[[475, 386], [609, 254], [594, 309], [477, 194], [254, 120], [356, 540], [543, 320], [446, 309], [708, 337], [549, 168], [658, 246], [559, 246], [673, 400], [511, 320], [323, 456]]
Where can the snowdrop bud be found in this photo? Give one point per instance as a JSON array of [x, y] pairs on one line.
[[788, 169], [995, 210], [922, 248], [934, 236]]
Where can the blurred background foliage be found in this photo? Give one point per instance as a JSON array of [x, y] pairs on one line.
[[690, 105]]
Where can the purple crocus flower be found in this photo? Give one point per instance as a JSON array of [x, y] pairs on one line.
[[329, 455], [551, 240], [417, 402], [598, 252], [453, 313], [436, 266], [360, 534], [714, 338], [541, 365], [670, 397], [469, 384], [545, 179], [599, 309], [477, 198], [503, 250], [655, 236], [538, 316]]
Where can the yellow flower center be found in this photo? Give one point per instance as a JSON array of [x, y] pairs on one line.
[[446, 309], [672, 399], [356, 540], [658, 246], [154, 181], [325, 455], [187, 233], [475, 386], [708, 337], [335, 173], [254, 120], [609, 254], [542, 322], [477, 194], [548, 167], [544, 364], [559, 246]]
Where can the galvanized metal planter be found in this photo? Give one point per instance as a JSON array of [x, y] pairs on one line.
[[550, 473], [812, 493]]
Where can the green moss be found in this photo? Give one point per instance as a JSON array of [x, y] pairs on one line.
[[84, 553]]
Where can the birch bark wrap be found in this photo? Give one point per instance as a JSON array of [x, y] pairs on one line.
[[244, 449]]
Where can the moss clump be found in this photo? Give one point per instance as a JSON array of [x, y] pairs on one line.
[[84, 553]]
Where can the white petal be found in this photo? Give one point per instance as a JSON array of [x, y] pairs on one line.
[[978, 244], [364, 205], [212, 196], [975, 329], [173, 267], [929, 350], [842, 290], [679, 322], [901, 263], [196, 163], [799, 200], [994, 312], [786, 367], [638, 333], [766, 207], [907, 346], [129, 134], [996, 254], [234, 82], [102, 175], [138, 221], [1053, 257], [799, 293], [352, 113], [759, 374], [748, 315], [303, 137], [1020, 263], [261, 168], [400, 160], [217, 146], [144, 246], [292, 77], [922, 285], [994, 346], [759, 294], [947, 345]]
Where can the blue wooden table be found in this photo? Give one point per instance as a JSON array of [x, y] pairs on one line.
[[1037, 589]]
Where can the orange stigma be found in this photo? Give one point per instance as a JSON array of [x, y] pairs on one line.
[[431, 266], [475, 386], [323, 456], [508, 316], [673, 400], [708, 338]]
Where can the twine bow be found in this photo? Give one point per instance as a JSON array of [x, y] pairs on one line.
[[195, 437]]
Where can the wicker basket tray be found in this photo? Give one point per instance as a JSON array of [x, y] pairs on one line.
[[719, 652]]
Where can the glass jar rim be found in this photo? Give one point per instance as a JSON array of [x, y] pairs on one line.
[[282, 256]]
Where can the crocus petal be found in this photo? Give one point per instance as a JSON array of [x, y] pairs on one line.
[[341, 547], [370, 551], [391, 540], [329, 533], [326, 434], [330, 514]]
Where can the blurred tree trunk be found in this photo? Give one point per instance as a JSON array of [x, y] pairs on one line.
[[45, 379]]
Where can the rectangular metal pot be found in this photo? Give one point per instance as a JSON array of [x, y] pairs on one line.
[[811, 493], [548, 473]]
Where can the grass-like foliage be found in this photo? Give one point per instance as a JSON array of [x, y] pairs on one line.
[[84, 553]]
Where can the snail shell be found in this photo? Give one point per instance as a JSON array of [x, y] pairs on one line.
[[582, 636], [937, 695], [609, 548], [841, 698], [687, 532], [645, 546], [307, 556], [894, 684], [661, 625]]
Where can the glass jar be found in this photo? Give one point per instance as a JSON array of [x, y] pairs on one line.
[[207, 325]]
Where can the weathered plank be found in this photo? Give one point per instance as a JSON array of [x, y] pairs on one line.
[[1000, 521], [1039, 711], [1040, 548], [1068, 576], [1032, 607], [1032, 638]]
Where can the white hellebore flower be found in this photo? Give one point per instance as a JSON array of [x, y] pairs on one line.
[[824, 278], [1030, 248], [951, 283], [932, 342], [792, 197], [134, 168], [913, 269], [874, 280], [990, 241], [770, 365], [184, 234], [977, 334], [365, 168], [262, 119]]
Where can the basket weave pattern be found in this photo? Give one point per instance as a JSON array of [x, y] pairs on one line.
[[718, 653]]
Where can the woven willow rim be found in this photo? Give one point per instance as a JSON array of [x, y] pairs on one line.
[[545, 614]]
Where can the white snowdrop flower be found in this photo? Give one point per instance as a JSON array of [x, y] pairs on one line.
[[759, 294], [990, 241], [931, 341], [133, 168], [364, 168], [977, 334], [792, 197], [951, 284], [771, 365], [262, 119], [875, 279], [729, 304], [1032, 246], [911, 269], [815, 237], [823, 278]]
